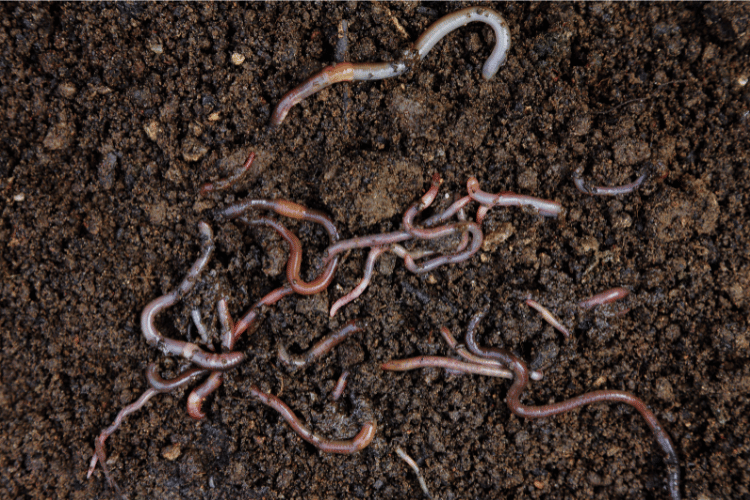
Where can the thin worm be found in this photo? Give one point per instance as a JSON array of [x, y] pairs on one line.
[[187, 350], [402, 252], [338, 390], [410, 461], [364, 282], [455, 365], [249, 318], [229, 181], [585, 188], [476, 244], [418, 207], [605, 297], [456, 207], [374, 240], [347, 72], [548, 316], [202, 331], [227, 325], [200, 393], [522, 378], [321, 348], [358, 443], [473, 358], [161, 385], [547, 208]]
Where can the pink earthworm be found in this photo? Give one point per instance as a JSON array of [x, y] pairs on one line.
[[227, 325], [358, 443], [548, 316], [605, 297], [249, 318], [228, 182], [158, 386], [547, 208], [585, 188], [418, 207], [338, 390], [322, 348], [375, 252], [476, 243], [521, 372], [200, 393], [187, 350], [402, 252], [456, 207], [348, 72], [455, 365], [294, 264], [411, 463], [473, 358], [375, 240]]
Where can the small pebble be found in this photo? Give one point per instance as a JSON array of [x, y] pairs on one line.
[[237, 58], [171, 453]]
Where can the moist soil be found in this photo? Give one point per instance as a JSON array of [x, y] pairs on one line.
[[114, 116]]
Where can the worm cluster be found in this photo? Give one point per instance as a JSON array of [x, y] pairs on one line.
[[459, 231]]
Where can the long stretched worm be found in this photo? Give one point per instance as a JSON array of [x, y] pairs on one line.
[[548, 208], [374, 240], [359, 442], [585, 188], [605, 297], [228, 182], [187, 350], [348, 72], [321, 348], [455, 365], [161, 385], [522, 378], [375, 252], [411, 463], [476, 244], [548, 316]]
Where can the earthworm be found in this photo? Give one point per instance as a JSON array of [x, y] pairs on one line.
[[358, 443], [202, 331], [414, 254], [338, 390], [294, 263], [476, 243], [548, 316], [229, 181], [161, 385], [410, 461], [200, 393], [347, 72], [374, 240], [187, 350], [547, 208], [522, 378], [227, 325], [603, 190], [418, 207], [456, 207], [243, 324], [605, 297], [456, 365], [473, 358], [322, 348], [375, 252]]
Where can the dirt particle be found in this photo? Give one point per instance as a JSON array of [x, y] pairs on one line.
[[494, 238], [237, 58], [172, 452], [664, 390], [193, 150], [630, 152], [153, 130], [60, 136]]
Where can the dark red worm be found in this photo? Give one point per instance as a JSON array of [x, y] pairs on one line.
[[607, 296], [547, 208], [606, 191], [338, 390], [187, 350], [358, 443], [321, 348], [611, 396], [249, 317], [228, 182]]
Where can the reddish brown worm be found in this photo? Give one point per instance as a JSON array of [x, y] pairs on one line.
[[605, 297], [358, 443], [347, 72], [548, 316], [228, 182], [187, 350], [455, 365], [418, 207], [375, 240], [200, 393], [249, 318], [473, 358], [372, 257], [547, 208], [585, 188], [338, 391], [322, 348], [161, 385], [522, 378]]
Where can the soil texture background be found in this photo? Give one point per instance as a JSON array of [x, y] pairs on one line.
[[114, 115]]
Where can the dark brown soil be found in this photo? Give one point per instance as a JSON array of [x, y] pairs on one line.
[[115, 115]]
